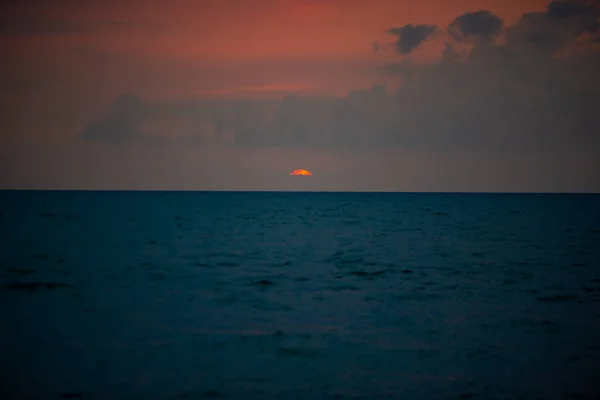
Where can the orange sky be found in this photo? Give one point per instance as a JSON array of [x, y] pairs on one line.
[[188, 49], [209, 47], [65, 62], [265, 29]]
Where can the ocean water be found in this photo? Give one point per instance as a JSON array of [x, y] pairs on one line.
[[185, 295]]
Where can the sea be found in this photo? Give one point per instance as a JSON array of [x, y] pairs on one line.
[[299, 295]]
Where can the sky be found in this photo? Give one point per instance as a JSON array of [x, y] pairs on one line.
[[379, 95]]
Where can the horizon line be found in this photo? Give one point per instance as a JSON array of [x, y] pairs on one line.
[[297, 191]]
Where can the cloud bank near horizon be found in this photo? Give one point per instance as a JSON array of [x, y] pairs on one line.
[[531, 86]]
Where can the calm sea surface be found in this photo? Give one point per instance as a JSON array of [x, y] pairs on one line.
[[185, 295]]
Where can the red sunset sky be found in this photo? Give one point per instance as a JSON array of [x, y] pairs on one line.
[[210, 47], [69, 60]]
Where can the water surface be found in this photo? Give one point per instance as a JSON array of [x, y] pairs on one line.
[[237, 295]]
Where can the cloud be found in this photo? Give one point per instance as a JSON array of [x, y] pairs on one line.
[[571, 8], [561, 23], [360, 119], [120, 121], [493, 97], [129, 118], [516, 94], [479, 25], [452, 107], [411, 36]]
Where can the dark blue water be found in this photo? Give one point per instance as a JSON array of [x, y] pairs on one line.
[[157, 295]]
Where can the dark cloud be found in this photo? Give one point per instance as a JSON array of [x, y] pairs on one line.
[[489, 102], [571, 8], [491, 96], [396, 68], [451, 54], [561, 23], [479, 25], [509, 95], [119, 122], [411, 36], [360, 119]]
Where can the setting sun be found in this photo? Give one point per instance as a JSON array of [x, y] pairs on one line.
[[301, 172]]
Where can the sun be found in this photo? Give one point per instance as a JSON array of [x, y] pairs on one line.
[[301, 172]]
